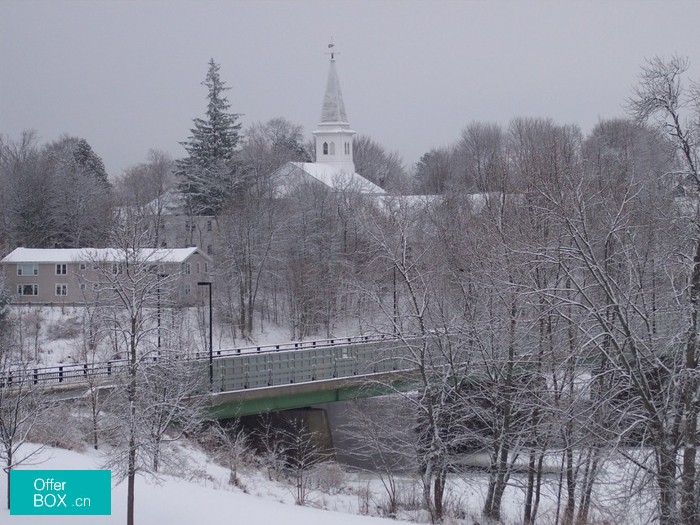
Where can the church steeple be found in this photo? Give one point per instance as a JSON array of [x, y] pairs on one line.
[[333, 110], [334, 136]]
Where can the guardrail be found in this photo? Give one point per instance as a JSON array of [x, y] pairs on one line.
[[283, 367], [232, 366]]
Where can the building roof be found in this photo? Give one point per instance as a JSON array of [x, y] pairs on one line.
[[333, 109], [332, 176], [70, 255]]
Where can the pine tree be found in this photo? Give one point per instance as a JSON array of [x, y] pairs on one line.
[[209, 173]]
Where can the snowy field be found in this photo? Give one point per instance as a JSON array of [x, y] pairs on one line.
[[176, 501]]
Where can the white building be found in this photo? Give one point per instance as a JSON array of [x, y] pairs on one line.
[[334, 166]]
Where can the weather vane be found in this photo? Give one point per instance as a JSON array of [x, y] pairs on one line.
[[332, 51]]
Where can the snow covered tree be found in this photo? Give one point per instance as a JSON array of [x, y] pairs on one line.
[[80, 203], [664, 98], [210, 173], [140, 409], [23, 405], [374, 163], [25, 190], [434, 171]]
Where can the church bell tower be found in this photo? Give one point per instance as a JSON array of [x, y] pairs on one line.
[[333, 135]]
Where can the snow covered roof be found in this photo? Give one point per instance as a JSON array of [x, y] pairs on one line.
[[333, 109], [332, 176], [171, 202], [68, 255]]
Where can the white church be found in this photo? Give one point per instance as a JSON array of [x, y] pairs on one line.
[[334, 166]]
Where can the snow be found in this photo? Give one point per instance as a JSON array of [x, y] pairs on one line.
[[69, 255], [53, 335], [332, 176], [176, 501]]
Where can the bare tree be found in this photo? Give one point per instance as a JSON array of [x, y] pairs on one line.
[[147, 190], [662, 96], [132, 284], [23, 405], [374, 163]]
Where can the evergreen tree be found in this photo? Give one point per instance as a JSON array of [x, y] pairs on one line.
[[209, 173], [88, 160]]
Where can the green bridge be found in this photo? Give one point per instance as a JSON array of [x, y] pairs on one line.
[[274, 379]]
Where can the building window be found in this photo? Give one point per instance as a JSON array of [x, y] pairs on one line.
[[209, 225], [27, 289], [206, 267], [347, 148], [188, 289], [61, 290], [61, 269], [186, 268], [325, 148], [332, 148], [83, 267], [27, 269], [198, 267], [82, 287], [116, 268]]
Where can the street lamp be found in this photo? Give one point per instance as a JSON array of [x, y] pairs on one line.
[[211, 339]]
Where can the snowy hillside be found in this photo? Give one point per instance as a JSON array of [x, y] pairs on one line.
[[179, 502]]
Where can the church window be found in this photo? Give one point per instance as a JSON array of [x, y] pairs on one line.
[[332, 148], [325, 148], [347, 148]]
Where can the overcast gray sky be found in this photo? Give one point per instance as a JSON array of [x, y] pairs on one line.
[[126, 75]]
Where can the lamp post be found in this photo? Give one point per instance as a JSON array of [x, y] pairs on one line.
[[211, 339]]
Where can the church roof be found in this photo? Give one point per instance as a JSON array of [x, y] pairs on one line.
[[333, 106], [332, 176]]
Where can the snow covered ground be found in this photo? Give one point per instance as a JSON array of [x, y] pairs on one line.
[[194, 489], [56, 335], [173, 501]]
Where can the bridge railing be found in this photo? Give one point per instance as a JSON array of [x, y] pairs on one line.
[[66, 373], [299, 345], [276, 368], [63, 373]]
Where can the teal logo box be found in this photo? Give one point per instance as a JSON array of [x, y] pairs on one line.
[[61, 492]]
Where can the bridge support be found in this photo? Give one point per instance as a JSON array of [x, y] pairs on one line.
[[308, 423]]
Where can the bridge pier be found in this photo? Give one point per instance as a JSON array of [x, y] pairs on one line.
[[309, 424]]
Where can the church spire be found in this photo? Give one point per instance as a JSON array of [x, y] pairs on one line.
[[334, 136], [333, 106]]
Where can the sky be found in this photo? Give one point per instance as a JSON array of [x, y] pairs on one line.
[[126, 75]]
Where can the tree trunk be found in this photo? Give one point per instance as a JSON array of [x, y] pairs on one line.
[[9, 469], [666, 480], [689, 510], [528, 518], [131, 467], [439, 493]]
